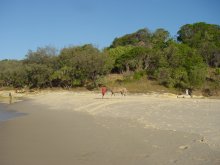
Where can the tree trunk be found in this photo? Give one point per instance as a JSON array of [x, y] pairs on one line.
[[127, 68]]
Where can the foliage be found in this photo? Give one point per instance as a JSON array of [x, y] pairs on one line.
[[204, 37], [12, 73], [141, 37], [160, 38], [115, 54], [139, 74], [85, 63], [217, 71], [181, 67], [130, 58], [38, 75], [181, 63], [163, 76]]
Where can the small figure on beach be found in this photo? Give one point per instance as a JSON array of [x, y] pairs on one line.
[[10, 98], [104, 90], [187, 92], [186, 95]]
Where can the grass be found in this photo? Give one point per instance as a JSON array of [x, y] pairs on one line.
[[143, 85]]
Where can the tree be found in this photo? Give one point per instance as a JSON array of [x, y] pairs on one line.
[[114, 56], [129, 58], [160, 38], [39, 66], [38, 75], [62, 77], [12, 73], [163, 75], [203, 37], [142, 37], [197, 75], [180, 78], [180, 67], [45, 55], [85, 62]]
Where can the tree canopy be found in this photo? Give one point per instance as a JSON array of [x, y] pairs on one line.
[[181, 62], [203, 37]]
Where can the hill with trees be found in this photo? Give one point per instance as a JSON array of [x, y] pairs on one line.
[[191, 60]]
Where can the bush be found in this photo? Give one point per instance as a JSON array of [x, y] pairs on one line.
[[128, 76], [197, 76], [163, 75], [138, 75], [217, 71]]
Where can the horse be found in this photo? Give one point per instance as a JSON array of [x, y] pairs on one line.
[[121, 90]]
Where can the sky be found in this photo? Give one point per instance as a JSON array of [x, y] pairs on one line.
[[29, 24]]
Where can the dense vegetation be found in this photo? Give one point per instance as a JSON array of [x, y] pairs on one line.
[[192, 60]]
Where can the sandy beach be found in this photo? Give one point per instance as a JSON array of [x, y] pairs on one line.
[[67, 127]]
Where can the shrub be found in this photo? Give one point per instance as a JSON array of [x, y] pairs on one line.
[[138, 75]]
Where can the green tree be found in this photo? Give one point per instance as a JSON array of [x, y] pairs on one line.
[[180, 78], [38, 75], [130, 58], [12, 73], [40, 65], [163, 76], [180, 66], [62, 77], [203, 37], [86, 63], [43, 55], [160, 38], [141, 37], [197, 75], [114, 56]]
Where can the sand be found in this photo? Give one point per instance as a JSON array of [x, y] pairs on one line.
[[80, 128]]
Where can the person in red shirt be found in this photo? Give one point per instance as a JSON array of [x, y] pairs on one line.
[[104, 90]]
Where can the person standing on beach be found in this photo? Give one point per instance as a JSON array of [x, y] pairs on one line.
[[10, 98], [104, 90]]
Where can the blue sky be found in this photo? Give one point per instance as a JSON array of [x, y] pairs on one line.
[[28, 24]]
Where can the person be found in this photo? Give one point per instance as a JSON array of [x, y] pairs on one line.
[[104, 90], [10, 98], [187, 92]]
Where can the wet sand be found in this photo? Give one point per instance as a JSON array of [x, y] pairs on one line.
[[81, 128], [6, 113]]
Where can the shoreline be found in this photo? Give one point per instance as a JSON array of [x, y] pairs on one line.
[[17, 97], [8, 114], [81, 128]]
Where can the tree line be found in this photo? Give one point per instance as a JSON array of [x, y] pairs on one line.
[[181, 62]]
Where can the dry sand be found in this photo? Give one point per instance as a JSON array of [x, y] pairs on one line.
[[81, 128]]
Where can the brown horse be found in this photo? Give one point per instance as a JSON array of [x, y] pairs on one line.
[[121, 90]]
